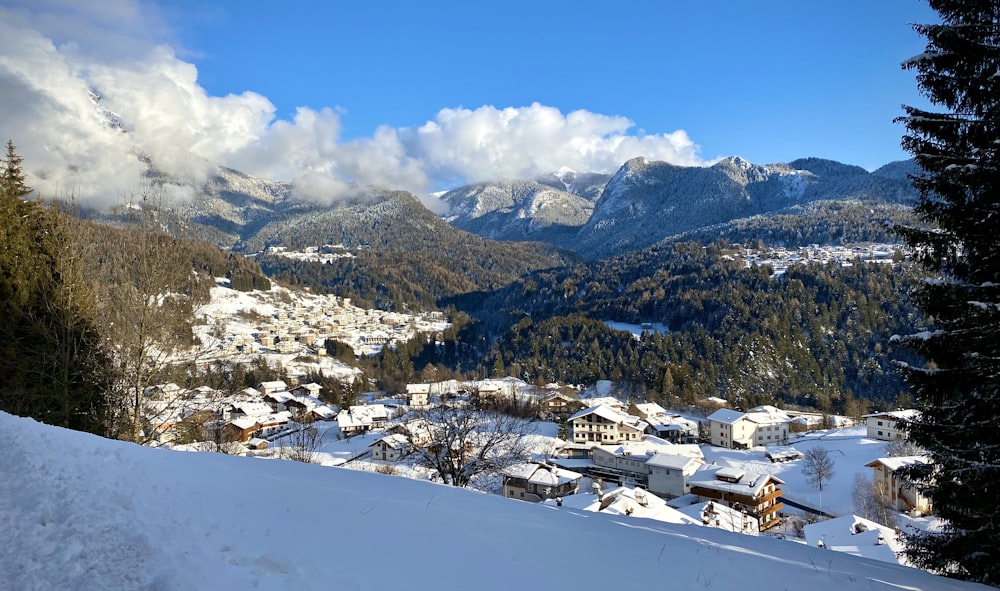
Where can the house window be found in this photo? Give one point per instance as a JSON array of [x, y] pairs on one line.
[[879, 424]]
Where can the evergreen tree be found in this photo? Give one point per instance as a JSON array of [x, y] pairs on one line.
[[957, 146], [51, 364], [12, 182]]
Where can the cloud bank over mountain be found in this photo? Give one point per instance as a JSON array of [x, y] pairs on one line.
[[89, 103]]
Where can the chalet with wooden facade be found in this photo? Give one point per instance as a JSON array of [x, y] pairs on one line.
[[754, 494]]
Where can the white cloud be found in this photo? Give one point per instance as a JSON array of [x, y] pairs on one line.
[[490, 143], [53, 52]]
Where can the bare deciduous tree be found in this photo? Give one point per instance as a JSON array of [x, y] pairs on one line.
[[902, 447], [301, 444], [462, 443], [147, 304], [871, 502], [817, 467]]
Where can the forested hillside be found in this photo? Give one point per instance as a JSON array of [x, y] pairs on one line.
[[91, 314], [809, 336], [404, 254]]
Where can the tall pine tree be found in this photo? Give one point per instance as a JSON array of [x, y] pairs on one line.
[[957, 146], [12, 179], [51, 364]]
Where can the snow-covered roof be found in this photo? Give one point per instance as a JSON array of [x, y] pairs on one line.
[[345, 420], [553, 476], [767, 415], [244, 423], [324, 412], [650, 409], [634, 502], [369, 412], [712, 514], [252, 408], [726, 415], [671, 461], [855, 535], [906, 415], [715, 478], [602, 410], [896, 463], [280, 397], [394, 441], [418, 388], [312, 387], [606, 400]]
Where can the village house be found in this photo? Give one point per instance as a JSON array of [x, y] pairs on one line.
[[763, 425], [660, 467], [418, 395], [350, 425], [770, 425], [266, 388], [277, 400], [730, 429], [647, 410], [245, 408], [391, 448], [557, 404], [320, 413], [605, 425], [361, 419], [249, 393], [311, 389], [885, 425], [418, 431], [241, 429], [669, 474], [754, 494], [536, 482], [895, 490], [673, 428]]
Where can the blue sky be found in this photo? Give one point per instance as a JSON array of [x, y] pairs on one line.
[[770, 81], [424, 94]]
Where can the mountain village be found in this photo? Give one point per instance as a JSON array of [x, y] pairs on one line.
[[616, 456]]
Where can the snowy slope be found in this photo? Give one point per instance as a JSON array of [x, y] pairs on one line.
[[80, 512]]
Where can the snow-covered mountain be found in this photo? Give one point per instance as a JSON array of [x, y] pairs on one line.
[[81, 512], [646, 201], [517, 210], [585, 184]]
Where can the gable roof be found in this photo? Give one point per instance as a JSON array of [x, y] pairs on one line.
[[277, 385], [726, 415], [623, 500], [893, 464], [747, 484], [394, 441], [650, 409], [906, 415], [602, 410], [671, 461]]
